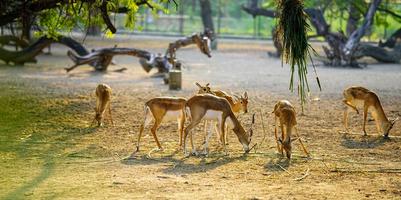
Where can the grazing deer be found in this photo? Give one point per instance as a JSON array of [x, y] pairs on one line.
[[361, 97], [163, 109], [103, 101], [211, 107], [238, 105], [285, 115]]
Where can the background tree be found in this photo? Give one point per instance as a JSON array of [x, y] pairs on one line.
[[207, 20], [344, 48]]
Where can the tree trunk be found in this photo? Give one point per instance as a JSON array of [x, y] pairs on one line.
[[207, 20], [343, 51], [356, 36], [392, 40], [380, 54], [352, 22], [28, 54], [103, 57]]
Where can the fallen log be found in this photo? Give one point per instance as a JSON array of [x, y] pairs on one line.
[[29, 53], [378, 53], [102, 58]]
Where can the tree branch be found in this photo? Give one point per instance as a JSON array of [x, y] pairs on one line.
[[356, 36], [106, 18], [389, 12]]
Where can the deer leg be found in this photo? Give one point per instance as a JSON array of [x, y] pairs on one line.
[[181, 122], [365, 116], [225, 135], [350, 105], [222, 129], [206, 144], [275, 134], [153, 130], [145, 123], [111, 117], [187, 129], [217, 130], [282, 138], [300, 141], [346, 114]]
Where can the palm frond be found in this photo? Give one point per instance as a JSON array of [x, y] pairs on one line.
[[292, 33]]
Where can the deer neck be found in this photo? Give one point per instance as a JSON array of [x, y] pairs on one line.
[[239, 130], [379, 116], [288, 133]]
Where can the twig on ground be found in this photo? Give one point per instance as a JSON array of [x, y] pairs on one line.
[[284, 169], [304, 176], [149, 156]]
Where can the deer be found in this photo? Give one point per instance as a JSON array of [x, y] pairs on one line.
[[161, 109], [211, 107], [103, 103], [238, 105], [285, 116], [356, 96]]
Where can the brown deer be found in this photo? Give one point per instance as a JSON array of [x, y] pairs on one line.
[[211, 107], [356, 96], [238, 105], [163, 109], [103, 102], [285, 116]]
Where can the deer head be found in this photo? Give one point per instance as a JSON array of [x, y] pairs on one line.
[[203, 89], [389, 127], [247, 137], [98, 117]]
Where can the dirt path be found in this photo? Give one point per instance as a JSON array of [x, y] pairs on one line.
[[48, 150]]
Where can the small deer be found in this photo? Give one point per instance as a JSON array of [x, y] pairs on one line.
[[285, 116], [163, 109], [238, 105], [211, 107], [356, 96], [103, 101]]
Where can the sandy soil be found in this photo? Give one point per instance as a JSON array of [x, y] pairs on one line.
[[60, 157]]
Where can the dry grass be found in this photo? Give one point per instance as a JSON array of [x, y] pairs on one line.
[[49, 151]]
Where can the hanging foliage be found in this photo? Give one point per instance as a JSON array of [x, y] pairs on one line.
[[292, 34]]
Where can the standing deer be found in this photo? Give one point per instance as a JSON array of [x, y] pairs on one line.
[[361, 97], [238, 105], [103, 101], [285, 116], [211, 107], [163, 109]]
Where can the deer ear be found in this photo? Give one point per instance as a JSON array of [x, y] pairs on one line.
[[207, 84], [245, 95], [197, 84]]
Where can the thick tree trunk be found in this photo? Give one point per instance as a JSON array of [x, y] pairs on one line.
[[207, 20], [352, 22], [10, 40], [392, 40], [380, 54], [356, 36], [28, 54], [202, 41], [103, 57]]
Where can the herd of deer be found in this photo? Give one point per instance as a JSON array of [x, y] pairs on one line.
[[220, 107]]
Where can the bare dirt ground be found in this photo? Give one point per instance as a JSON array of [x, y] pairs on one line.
[[49, 151]]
